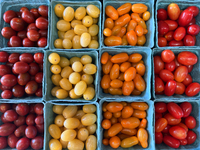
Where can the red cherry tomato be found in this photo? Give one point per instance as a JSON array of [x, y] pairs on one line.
[[170, 66], [185, 18], [38, 57], [160, 124], [28, 17], [178, 132], [28, 43], [41, 23], [187, 80], [175, 110], [42, 42], [170, 88], [158, 116], [166, 129], [158, 137], [43, 10], [194, 10], [171, 141], [180, 88], [173, 11], [190, 68], [193, 21], [183, 142], [163, 27], [15, 41], [187, 58], [23, 9], [166, 75], [171, 120], [189, 40], [35, 12], [22, 34], [32, 26], [162, 42], [158, 64], [186, 108], [8, 32], [190, 122], [172, 24], [160, 107], [192, 89], [9, 15], [6, 94], [193, 29], [161, 14], [180, 73], [169, 36], [179, 33], [33, 35], [175, 43], [191, 137], [159, 85], [167, 56], [17, 24]]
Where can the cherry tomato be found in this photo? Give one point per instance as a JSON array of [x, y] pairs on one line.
[[187, 108], [159, 85], [43, 33], [38, 57], [17, 24], [173, 11], [8, 80], [15, 41], [190, 122], [28, 43], [158, 137], [180, 73], [193, 21], [22, 34], [169, 36], [180, 88], [187, 58], [172, 24], [185, 17], [170, 66], [23, 9], [18, 91], [192, 89], [158, 64], [23, 143], [43, 10], [4, 70], [42, 42], [41, 23], [193, 29], [171, 120], [179, 33], [161, 14], [178, 132], [163, 27], [175, 110], [194, 10], [27, 16], [158, 116], [167, 56], [166, 129], [183, 142], [131, 37], [160, 107], [166, 75], [171, 141], [8, 32], [170, 88], [6, 94], [160, 124], [9, 15], [113, 41], [190, 68], [175, 43], [191, 137], [187, 80], [189, 40], [33, 35], [162, 42], [35, 12], [32, 26]]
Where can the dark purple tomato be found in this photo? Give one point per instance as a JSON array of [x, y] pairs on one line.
[[4, 69], [10, 115], [9, 80], [23, 78], [185, 18], [41, 23], [12, 140], [14, 57], [193, 29], [37, 142], [3, 142], [28, 17], [189, 40], [15, 41], [42, 42], [26, 57], [18, 91], [17, 24], [22, 34], [34, 69], [32, 26], [21, 67], [31, 87], [35, 12], [8, 32], [23, 143], [30, 119], [28, 43], [9, 15], [43, 10], [20, 121], [43, 33], [33, 35], [6, 94]]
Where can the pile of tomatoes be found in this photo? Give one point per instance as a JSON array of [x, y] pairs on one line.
[[125, 124], [23, 126], [177, 27], [21, 73], [173, 123], [123, 74], [172, 73], [121, 28], [28, 28]]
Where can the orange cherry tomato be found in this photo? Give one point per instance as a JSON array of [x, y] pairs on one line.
[[119, 119], [124, 103], [131, 37], [127, 112], [139, 114], [115, 91], [136, 17], [124, 66], [104, 58], [145, 31], [139, 8], [114, 129], [124, 40], [113, 120], [142, 136], [107, 67], [122, 32], [120, 58], [129, 131], [105, 142], [105, 81], [116, 83], [142, 23], [123, 9], [130, 123], [114, 107], [107, 115], [107, 32], [140, 14], [123, 20], [146, 15], [113, 41], [140, 68], [139, 83], [141, 40], [105, 134], [117, 114], [129, 142], [116, 30], [121, 76], [115, 142], [104, 106], [106, 124], [123, 136], [129, 74], [109, 23], [139, 105], [132, 25], [114, 72], [143, 123], [139, 30], [136, 92], [135, 64], [127, 88], [135, 57], [111, 12]]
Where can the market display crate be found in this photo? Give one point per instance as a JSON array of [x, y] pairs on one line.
[[15, 5]]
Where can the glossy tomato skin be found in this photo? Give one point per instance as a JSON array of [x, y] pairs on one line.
[[161, 14], [158, 64], [27, 43], [179, 33], [166, 75], [188, 40], [28, 17], [20, 121], [8, 32], [180, 88], [170, 88], [23, 78], [172, 24], [159, 85], [162, 42], [167, 56], [169, 36], [187, 58], [8, 80], [3, 142], [17, 24], [175, 110], [183, 142], [21, 67], [42, 42], [158, 116], [4, 69], [31, 87], [163, 27], [192, 89], [3, 56], [176, 43], [10, 115], [171, 141], [43, 33], [39, 77], [23, 9], [23, 143], [186, 108], [178, 132], [30, 119], [41, 23], [160, 107], [9, 15], [158, 137], [18, 91], [171, 120], [38, 93], [26, 57], [22, 34], [4, 107], [37, 142], [34, 68], [160, 124], [190, 122], [180, 73], [187, 80], [33, 35], [43, 10], [166, 129], [32, 26], [12, 140], [190, 68], [185, 18], [191, 137], [6, 94], [15, 41], [194, 10], [173, 11], [170, 66], [38, 57], [193, 29], [38, 108], [22, 109]]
